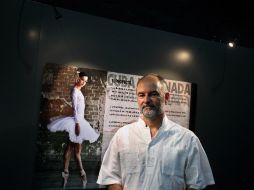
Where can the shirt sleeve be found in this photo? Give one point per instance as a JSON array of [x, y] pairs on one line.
[[198, 172], [110, 171], [75, 105]]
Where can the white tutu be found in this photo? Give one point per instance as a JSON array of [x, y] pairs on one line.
[[68, 124]]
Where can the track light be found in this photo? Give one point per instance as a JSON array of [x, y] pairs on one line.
[[231, 44], [57, 14]]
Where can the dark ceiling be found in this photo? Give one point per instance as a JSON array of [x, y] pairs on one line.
[[215, 20]]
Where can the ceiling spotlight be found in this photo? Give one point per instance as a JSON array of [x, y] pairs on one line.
[[231, 44]]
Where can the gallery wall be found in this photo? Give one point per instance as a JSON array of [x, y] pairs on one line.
[[32, 37]]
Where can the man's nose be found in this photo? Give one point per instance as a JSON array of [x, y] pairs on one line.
[[147, 99]]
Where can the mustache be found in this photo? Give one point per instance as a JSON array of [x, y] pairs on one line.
[[148, 106]]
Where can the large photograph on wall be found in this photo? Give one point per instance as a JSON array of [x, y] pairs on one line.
[[109, 102]]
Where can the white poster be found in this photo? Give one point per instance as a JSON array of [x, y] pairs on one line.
[[121, 106], [177, 107]]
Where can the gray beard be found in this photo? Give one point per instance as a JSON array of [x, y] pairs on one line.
[[152, 113]]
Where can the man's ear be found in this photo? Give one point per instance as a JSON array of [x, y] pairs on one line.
[[167, 96]]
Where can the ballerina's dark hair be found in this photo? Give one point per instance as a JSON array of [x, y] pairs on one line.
[[82, 74]]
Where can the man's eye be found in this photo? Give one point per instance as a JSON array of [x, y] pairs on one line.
[[154, 94], [141, 95]]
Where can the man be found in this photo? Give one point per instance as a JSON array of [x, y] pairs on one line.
[[154, 153]]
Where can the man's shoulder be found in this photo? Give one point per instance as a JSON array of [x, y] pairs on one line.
[[123, 133], [128, 126], [180, 134], [178, 129]]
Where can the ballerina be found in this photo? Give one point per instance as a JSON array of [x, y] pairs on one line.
[[77, 127]]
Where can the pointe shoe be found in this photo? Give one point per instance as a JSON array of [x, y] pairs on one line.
[[83, 178], [65, 179]]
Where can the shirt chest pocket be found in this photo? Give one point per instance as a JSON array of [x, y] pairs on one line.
[[129, 161], [173, 161]]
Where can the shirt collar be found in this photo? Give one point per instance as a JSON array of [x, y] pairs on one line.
[[145, 131], [165, 122], [141, 122]]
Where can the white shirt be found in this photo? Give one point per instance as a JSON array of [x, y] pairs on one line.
[[78, 104], [173, 160]]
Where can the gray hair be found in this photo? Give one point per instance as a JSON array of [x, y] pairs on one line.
[[159, 77]]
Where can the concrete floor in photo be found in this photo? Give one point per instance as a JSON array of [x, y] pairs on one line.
[[49, 180]]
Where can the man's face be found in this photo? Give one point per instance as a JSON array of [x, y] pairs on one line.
[[83, 81], [150, 97]]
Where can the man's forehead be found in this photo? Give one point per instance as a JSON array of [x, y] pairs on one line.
[[151, 83]]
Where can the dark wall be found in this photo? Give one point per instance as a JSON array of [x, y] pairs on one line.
[[32, 37]]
